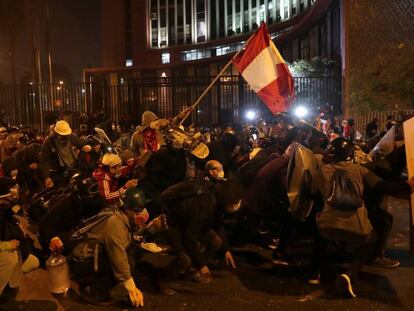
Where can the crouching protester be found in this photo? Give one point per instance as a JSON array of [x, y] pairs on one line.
[[15, 249], [103, 258], [344, 218], [64, 215], [108, 174], [194, 212]]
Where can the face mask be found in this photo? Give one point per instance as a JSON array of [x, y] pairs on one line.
[[62, 139], [220, 174], [141, 217]]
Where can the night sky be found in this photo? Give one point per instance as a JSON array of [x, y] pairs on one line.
[[75, 40]]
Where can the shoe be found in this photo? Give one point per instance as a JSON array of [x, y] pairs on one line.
[[165, 289], [385, 262], [96, 298], [9, 295], [151, 247], [314, 279], [201, 278], [344, 286]]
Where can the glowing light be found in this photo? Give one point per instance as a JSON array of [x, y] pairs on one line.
[[301, 112], [250, 115]]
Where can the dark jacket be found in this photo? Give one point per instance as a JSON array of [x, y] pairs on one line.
[[87, 162], [10, 230], [50, 157], [192, 208], [66, 214], [27, 177]]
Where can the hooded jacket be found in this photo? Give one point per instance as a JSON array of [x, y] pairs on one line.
[[115, 234]]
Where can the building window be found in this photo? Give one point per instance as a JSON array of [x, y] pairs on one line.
[[129, 62], [195, 54], [201, 21], [165, 58]]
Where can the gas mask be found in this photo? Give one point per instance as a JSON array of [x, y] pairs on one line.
[[141, 217]]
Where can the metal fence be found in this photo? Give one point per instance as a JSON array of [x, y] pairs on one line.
[[361, 121], [226, 102]]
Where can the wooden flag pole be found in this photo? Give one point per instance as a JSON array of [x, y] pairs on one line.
[[214, 81]]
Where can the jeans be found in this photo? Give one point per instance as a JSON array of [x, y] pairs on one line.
[[363, 253]]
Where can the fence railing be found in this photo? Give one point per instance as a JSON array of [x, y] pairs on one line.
[[361, 121], [227, 101]]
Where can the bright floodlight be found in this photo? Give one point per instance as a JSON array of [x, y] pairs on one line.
[[301, 112], [250, 115]]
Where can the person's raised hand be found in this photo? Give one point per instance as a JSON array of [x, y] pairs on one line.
[[131, 183]]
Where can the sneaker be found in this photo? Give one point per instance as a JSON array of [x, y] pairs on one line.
[[385, 262], [151, 247], [344, 286], [96, 298]]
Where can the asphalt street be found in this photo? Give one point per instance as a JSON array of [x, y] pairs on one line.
[[257, 284]]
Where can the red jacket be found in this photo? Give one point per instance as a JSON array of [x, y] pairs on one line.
[[108, 185]]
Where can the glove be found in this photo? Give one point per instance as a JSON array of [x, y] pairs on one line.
[[56, 245], [49, 183], [9, 245], [135, 295]]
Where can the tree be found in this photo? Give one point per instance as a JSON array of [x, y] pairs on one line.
[[316, 67], [387, 83], [317, 83]]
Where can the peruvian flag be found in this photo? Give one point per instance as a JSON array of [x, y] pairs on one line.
[[262, 66]]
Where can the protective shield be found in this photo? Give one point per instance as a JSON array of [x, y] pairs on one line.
[[386, 144], [190, 143], [302, 168], [200, 150], [101, 133]]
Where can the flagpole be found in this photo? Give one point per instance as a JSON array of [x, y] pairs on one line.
[[214, 81]]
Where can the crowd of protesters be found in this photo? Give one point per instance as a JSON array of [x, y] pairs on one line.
[[160, 187]]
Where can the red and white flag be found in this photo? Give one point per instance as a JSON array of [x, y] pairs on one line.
[[262, 66]]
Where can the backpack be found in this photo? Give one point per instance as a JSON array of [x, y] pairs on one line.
[[88, 224], [345, 195], [84, 249], [42, 201]]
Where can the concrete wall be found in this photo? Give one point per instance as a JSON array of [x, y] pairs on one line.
[[113, 33]]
